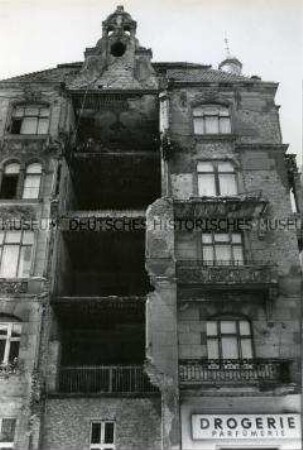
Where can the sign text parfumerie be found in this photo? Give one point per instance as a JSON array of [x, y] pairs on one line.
[[250, 426]]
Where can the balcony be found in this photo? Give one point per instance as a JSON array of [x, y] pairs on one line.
[[242, 206], [238, 372], [26, 142], [117, 379], [249, 275], [104, 220]]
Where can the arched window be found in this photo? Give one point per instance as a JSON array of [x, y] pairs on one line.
[[10, 181], [30, 119], [211, 119], [216, 178], [293, 201], [32, 181], [10, 335], [229, 339]]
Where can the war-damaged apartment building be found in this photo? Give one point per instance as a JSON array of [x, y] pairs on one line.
[[149, 261]]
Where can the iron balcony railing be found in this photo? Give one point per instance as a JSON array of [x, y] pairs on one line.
[[249, 371], [247, 262], [104, 379], [237, 272]]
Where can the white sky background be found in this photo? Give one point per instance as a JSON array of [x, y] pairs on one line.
[[266, 35]]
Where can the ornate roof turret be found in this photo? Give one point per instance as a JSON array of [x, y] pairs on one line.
[[231, 65], [118, 61], [119, 23]]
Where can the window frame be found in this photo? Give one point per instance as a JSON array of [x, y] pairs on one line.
[[232, 245], [22, 175], [239, 337], [21, 245], [14, 117], [28, 175], [217, 173], [8, 444], [102, 445], [5, 175], [199, 113], [8, 339]]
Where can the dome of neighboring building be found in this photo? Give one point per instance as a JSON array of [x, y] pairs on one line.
[[231, 65]]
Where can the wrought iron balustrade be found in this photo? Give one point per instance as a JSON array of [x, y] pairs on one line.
[[246, 371], [104, 379], [250, 273]]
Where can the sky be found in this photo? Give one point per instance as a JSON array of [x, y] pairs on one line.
[[266, 35]]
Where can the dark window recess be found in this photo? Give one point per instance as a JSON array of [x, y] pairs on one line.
[[9, 186], [96, 433], [109, 433], [118, 49], [16, 126], [7, 433], [14, 351]]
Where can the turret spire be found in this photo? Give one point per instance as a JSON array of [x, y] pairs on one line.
[[230, 64]]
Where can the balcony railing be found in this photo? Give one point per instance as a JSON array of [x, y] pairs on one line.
[[104, 379], [242, 205], [250, 371], [249, 273]]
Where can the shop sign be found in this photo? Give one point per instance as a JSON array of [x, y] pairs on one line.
[[251, 426]]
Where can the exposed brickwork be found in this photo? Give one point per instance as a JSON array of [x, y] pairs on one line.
[[68, 422]]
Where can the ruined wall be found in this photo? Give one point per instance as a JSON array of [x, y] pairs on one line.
[[25, 299], [254, 115], [276, 336], [260, 167], [68, 422]]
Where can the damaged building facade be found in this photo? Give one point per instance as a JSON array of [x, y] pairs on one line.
[[150, 287]]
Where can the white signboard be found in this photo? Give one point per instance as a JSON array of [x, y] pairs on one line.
[[251, 426]]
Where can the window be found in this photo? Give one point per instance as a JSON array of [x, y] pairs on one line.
[[216, 178], [102, 436], [10, 179], [7, 433], [16, 248], [32, 181], [212, 119], [9, 342], [32, 119], [229, 339], [222, 249]]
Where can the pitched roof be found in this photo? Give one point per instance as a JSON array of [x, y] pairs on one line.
[[61, 73], [176, 71]]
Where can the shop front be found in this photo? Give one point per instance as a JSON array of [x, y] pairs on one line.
[[244, 431]]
